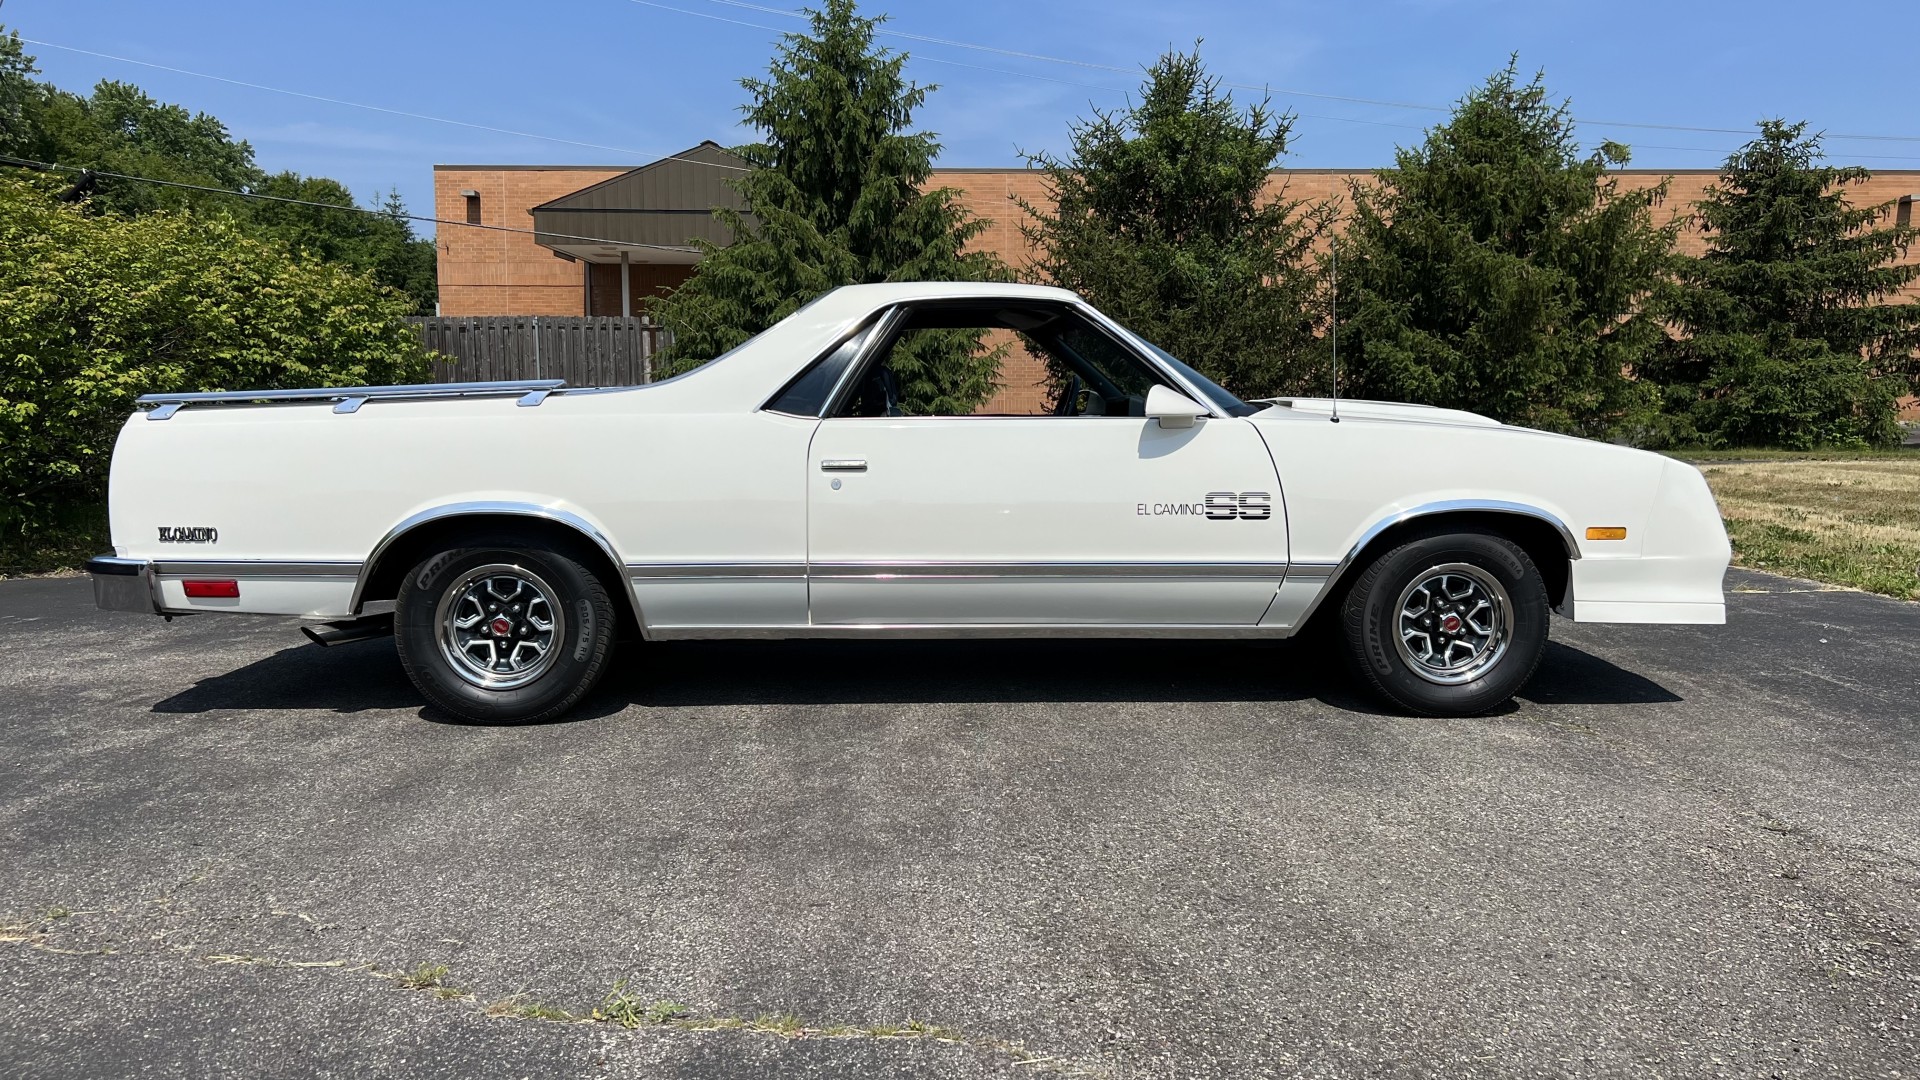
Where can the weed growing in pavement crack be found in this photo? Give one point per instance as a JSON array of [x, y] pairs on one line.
[[423, 977], [629, 1011], [431, 977]]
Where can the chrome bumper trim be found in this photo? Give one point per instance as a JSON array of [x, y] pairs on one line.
[[123, 585]]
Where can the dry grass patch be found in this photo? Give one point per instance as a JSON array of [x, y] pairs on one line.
[[1853, 522]]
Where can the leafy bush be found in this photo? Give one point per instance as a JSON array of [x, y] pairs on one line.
[[96, 310]]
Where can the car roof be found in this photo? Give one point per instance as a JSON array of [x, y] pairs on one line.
[[898, 292]]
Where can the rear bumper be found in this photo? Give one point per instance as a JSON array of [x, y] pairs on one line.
[[124, 585], [318, 590]]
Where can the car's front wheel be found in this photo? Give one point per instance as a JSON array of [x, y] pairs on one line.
[[501, 631], [1448, 625]]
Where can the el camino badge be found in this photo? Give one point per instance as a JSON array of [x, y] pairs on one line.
[[188, 534], [1220, 506]]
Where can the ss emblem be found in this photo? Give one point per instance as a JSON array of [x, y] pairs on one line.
[[1245, 505]]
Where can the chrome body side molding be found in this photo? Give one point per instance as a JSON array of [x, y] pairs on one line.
[[1132, 571], [967, 630], [258, 568], [716, 571]]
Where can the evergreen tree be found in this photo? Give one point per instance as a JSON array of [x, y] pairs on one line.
[[1495, 268], [1784, 336], [1160, 215], [835, 197]]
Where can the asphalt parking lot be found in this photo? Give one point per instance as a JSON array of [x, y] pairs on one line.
[[1685, 852]]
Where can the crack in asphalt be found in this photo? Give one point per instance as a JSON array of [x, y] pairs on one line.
[[40, 932]]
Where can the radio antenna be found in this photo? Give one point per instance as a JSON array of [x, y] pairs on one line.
[[1333, 328]]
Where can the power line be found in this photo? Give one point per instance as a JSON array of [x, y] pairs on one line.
[[1730, 153], [1250, 86], [993, 70], [1017, 54], [55, 166], [375, 108]]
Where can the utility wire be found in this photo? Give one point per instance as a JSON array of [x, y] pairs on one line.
[[922, 56], [374, 108], [1249, 86], [1033, 56], [1017, 54], [993, 70], [48, 166]]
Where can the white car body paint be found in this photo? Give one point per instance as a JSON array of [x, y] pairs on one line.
[[725, 518]]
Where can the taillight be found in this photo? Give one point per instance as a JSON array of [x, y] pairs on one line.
[[212, 590]]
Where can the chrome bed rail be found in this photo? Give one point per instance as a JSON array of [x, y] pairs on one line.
[[348, 399]]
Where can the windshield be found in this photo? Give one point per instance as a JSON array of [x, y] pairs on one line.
[[1216, 394]]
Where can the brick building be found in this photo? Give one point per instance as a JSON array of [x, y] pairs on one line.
[[652, 212]]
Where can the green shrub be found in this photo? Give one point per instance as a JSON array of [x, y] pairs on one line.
[[97, 310]]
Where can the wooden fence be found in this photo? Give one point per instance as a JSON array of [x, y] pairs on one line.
[[594, 350]]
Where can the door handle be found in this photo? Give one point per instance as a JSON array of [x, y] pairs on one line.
[[843, 465]]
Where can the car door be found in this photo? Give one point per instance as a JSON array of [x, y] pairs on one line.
[[1094, 516]]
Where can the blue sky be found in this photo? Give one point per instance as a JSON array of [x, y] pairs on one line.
[[639, 80]]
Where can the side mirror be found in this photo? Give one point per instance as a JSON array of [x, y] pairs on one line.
[[1172, 408]]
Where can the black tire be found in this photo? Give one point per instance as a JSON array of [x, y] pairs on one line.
[[524, 687], [1469, 565]]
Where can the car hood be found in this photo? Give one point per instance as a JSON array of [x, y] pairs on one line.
[[1380, 410]]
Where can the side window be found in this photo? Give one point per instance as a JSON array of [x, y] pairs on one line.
[[807, 394], [998, 360]]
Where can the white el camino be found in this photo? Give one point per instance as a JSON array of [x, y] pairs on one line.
[[507, 534]]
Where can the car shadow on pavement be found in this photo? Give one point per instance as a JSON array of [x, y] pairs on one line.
[[1568, 676], [367, 676], [364, 676]]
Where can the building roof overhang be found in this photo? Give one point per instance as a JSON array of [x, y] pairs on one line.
[[656, 213]]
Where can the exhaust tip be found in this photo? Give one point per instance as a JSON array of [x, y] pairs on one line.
[[340, 633]]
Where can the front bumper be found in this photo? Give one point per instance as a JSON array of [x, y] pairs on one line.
[[124, 585]]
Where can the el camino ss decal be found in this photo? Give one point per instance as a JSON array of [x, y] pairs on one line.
[[1219, 506], [188, 534]]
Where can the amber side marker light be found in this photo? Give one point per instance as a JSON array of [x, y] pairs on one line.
[[212, 590], [1607, 532]]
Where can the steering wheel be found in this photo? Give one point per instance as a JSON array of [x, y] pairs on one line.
[[1069, 403]]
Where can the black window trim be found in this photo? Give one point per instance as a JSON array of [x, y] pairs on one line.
[[1095, 320]]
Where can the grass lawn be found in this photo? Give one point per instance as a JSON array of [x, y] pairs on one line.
[[1847, 519]]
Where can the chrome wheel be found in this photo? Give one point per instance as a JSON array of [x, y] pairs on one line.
[[500, 626], [1455, 623]]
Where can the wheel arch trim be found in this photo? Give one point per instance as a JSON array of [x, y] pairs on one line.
[[1435, 509], [587, 530]]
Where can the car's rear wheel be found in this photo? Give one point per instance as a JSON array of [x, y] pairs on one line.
[[1447, 625], [503, 631]]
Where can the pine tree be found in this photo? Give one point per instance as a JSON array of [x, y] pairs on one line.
[[836, 196], [1496, 268], [1783, 333], [1160, 215]]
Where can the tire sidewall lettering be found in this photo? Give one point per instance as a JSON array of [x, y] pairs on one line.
[[583, 641]]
